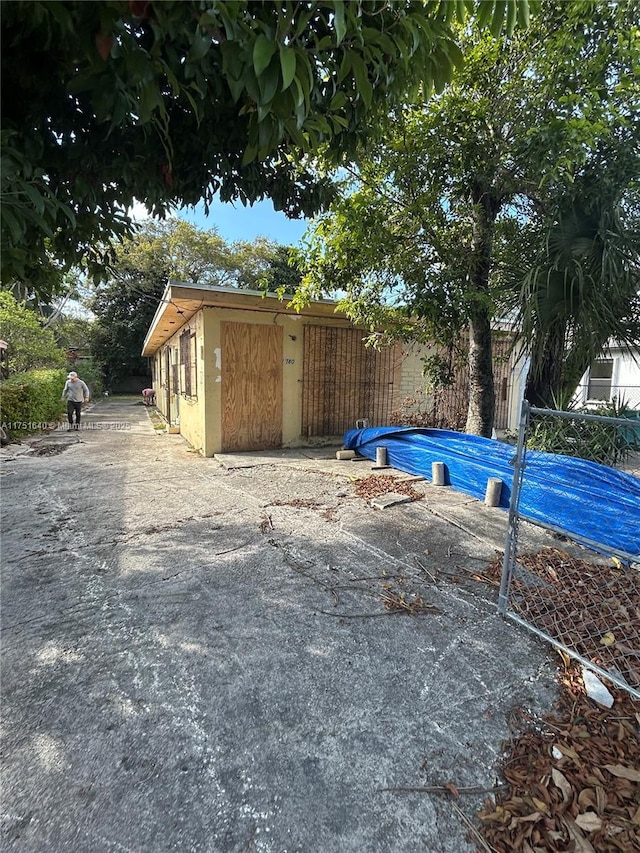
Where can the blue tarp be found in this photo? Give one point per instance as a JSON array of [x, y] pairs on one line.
[[589, 500]]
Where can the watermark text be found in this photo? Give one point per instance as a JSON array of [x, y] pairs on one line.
[[59, 426]]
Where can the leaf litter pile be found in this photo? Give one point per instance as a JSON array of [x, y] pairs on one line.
[[574, 779], [593, 610], [381, 484]]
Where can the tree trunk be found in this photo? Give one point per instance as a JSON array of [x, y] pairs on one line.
[[544, 382], [481, 390], [481, 409]]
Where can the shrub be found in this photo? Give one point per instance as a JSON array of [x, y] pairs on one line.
[[30, 346], [90, 373], [29, 401], [608, 444]]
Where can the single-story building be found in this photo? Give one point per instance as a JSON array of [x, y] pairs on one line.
[[239, 370], [616, 374]]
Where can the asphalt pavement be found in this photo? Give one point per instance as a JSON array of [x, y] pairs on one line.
[[203, 655]]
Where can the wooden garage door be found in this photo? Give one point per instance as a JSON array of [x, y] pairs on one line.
[[251, 386], [343, 381]]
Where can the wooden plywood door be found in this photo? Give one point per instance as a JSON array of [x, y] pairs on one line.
[[251, 386]]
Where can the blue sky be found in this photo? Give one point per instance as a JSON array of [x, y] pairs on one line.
[[235, 222]]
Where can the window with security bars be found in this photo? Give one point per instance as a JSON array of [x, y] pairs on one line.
[[188, 364], [343, 381], [175, 373]]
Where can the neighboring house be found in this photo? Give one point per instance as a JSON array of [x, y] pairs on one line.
[[615, 375], [236, 370]]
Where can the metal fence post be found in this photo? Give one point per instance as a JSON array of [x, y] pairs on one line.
[[512, 527]]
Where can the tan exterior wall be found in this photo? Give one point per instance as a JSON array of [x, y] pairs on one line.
[[192, 408], [186, 413], [292, 368]]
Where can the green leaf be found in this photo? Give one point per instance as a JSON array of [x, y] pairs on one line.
[[199, 47], [339, 21], [269, 84], [485, 10], [16, 228], [232, 59], [300, 95], [461, 11], [150, 98], [498, 17], [365, 88], [296, 134], [338, 101], [523, 14], [287, 65], [455, 54], [34, 197], [345, 66], [512, 10], [236, 87], [263, 50]]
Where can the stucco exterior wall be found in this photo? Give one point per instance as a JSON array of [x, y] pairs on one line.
[[292, 368], [191, 418], [186, 413]]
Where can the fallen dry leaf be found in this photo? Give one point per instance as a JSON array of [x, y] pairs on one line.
[[377, 485], [608, 639], [560, 781], [583, 845], [589, 821], [589, 809], [623, 772]]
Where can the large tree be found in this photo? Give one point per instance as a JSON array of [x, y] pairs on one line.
[[171, 101], [125, 304], [30, 345], [582, 287], [436, 205]]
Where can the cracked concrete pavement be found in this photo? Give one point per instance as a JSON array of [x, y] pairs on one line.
[[196, 657]]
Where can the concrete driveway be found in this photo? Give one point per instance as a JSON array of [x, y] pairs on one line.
[[198, 658]]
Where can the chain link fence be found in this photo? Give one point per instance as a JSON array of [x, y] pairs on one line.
[[582, 596]]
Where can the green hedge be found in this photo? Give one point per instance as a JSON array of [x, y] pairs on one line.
[[90, 373], [30, 402]]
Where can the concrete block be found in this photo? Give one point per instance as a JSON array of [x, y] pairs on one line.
[[438, 473], [381, 459], [494, 490], [345, 454]]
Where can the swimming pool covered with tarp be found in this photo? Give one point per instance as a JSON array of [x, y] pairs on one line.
[[591, 501]]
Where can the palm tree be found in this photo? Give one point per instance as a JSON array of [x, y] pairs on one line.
[[584, 289]]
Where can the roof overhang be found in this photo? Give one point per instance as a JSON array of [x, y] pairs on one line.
[[180, 302]]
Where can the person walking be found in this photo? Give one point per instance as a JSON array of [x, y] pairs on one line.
[[75, 392]]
